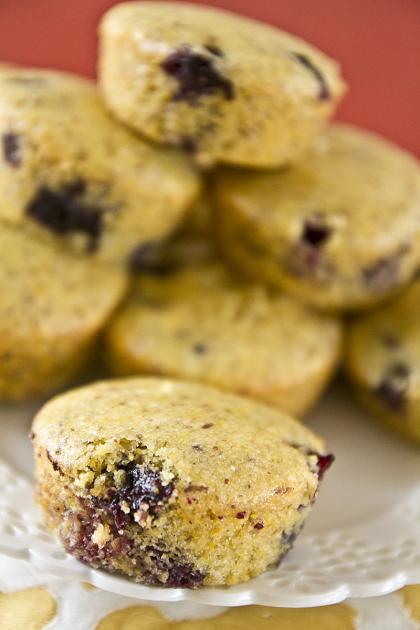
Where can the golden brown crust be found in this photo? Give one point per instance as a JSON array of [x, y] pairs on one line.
[[341, 229], [76, 178], [52, 306], [383, 360], [173, 483], [226, 88], [204, 324]]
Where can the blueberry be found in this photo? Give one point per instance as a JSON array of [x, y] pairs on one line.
[[196, 76], [324, 93], [63, 211], [180, 574], [307, 256], [392, 389], [11, 149], [324, 463], [315, 233]]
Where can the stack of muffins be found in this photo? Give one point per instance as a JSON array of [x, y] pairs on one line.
[[197, 220]]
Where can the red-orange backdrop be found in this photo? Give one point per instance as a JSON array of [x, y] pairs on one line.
[[377, 42]]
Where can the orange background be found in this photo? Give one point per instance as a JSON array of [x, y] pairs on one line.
[[377, 42]]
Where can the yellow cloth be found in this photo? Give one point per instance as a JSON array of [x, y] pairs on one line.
[[35, 608]]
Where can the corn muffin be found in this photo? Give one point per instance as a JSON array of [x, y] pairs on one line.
[[76, 178], [383, 361], [200, 322], [174, 484], [340, 230], [223, 87], [52, 306]]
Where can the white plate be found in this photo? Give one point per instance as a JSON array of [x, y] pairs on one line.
[[363, 538]]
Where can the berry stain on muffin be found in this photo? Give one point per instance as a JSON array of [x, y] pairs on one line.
[[64, 211], [12, 149], [197, 76], [324, 93], [307, 256], [392, 389]]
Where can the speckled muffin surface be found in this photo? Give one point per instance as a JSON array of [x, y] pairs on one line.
[[224, 87], [202, 323], [76, 178], [340, 230], [172, 483], [383, 360], [52, 306]]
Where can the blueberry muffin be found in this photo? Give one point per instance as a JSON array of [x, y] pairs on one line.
[[52, 305], [341, 229], [383, 361], [201, 323], [223, 87], [174, 484], [76, 178]]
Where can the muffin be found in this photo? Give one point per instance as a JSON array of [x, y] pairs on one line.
[[200, 322], [52, 307], [222, 87], [75, 178], [383, 361], [174, 484], [340, 230]]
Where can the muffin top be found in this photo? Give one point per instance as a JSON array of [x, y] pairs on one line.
[[75, 176], [203, 323], [232, 446]]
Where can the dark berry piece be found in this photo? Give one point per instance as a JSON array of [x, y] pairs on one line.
[[214, 50], [307, 256], [199, 348], [54, 464], [144, 485], [121, 519], [183, 576], [63, 211], [324, 93], [196, 76], [289, 537], [315, 233], [393, 387], [324, 463], [180, 574], [241, 515], [11, 149], [259, 525]]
